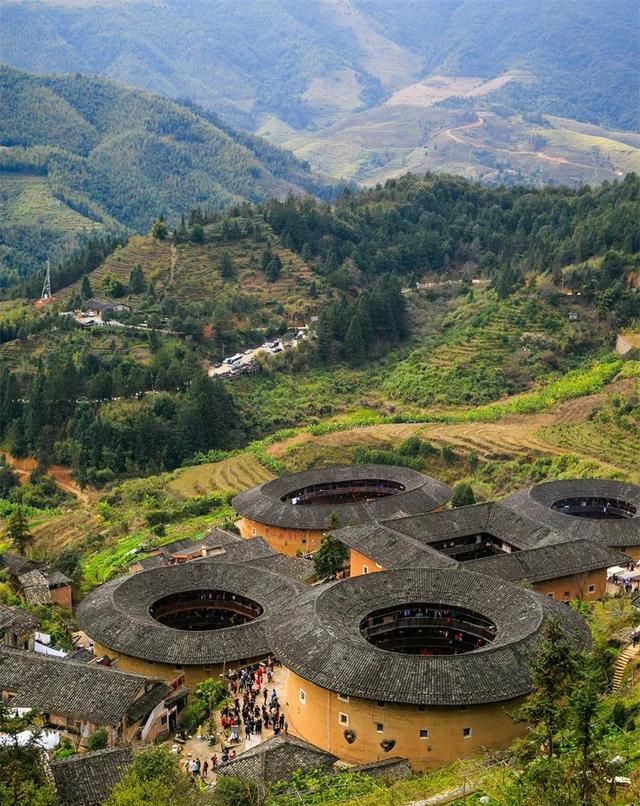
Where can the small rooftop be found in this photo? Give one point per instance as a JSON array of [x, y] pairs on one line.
[[88, 779], [76, 690], [277, 759], [17, 619]]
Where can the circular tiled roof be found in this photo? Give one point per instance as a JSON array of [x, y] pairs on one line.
[[265, 503], [537, 503], [117, 615], [318, 637]]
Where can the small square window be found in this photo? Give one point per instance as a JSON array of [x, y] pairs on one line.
[[466, 732], [343, 697], [381, 704], [424, 733], [254, 531], [592, 588], [550, 595], [365, 569], [379, 727], [343, 719], [567, 594], [178, 668], [422, 708], [303, 695]]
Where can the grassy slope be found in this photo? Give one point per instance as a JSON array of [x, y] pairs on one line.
[[197, 278]]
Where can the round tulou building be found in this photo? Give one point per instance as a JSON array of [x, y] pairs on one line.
[[192, 619], [604, 511], [293, 512], [422, 664]]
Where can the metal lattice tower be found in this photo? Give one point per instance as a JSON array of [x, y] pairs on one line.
[[46, 288]]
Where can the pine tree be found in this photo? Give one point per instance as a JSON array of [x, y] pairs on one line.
[[18, 531], [86, 292], [553, 676], [227, 268], [136, 280], [159, 230]]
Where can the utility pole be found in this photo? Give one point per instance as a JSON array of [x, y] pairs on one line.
[[46, 288]]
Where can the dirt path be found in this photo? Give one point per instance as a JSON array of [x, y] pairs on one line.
[[475, 125], [60, 474], [539, 154]]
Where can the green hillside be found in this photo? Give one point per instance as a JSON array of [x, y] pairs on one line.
[[82, 155]]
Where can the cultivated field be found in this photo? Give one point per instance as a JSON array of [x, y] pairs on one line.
[[27, 200], [230, 475]]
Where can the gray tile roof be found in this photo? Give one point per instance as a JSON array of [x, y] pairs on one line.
[[318, 637], [144, 705], [298, 568], [277, 759], [89, 778], [391, 549], [80, 655], [15, 564], [548, 562], [394, 768], [536, 502], [17, 620], [263, 503], [492, 518], [76, 690], [117, 613], [35, 587], [57, 578]]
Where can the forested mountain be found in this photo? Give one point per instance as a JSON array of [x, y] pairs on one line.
[[535, 252], [310, 63], [82, 155]]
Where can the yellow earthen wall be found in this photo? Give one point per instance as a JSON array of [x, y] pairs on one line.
[[317, 720], [192, 674], [285, 541], [564, 589], [361, 564]]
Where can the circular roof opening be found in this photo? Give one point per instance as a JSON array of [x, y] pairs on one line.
[[346, 491], [595, 507], [427, 629], [204, 610]]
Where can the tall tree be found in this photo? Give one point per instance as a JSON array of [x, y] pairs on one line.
[[553, 674], [18, 531]]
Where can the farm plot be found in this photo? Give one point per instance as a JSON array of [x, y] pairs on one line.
[[230, 475]]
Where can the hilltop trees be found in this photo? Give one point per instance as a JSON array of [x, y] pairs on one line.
[[353, 330], [101, 437]]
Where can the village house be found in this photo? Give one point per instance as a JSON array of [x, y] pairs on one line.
[[17, 627], [79, 698], [35, 583]]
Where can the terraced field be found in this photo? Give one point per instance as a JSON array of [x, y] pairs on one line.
[[21, 353], [28, 199], [231, 475], [607, 449], [153, 256], [191, 274]]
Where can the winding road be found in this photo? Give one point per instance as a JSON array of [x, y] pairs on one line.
[[480, 122]]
